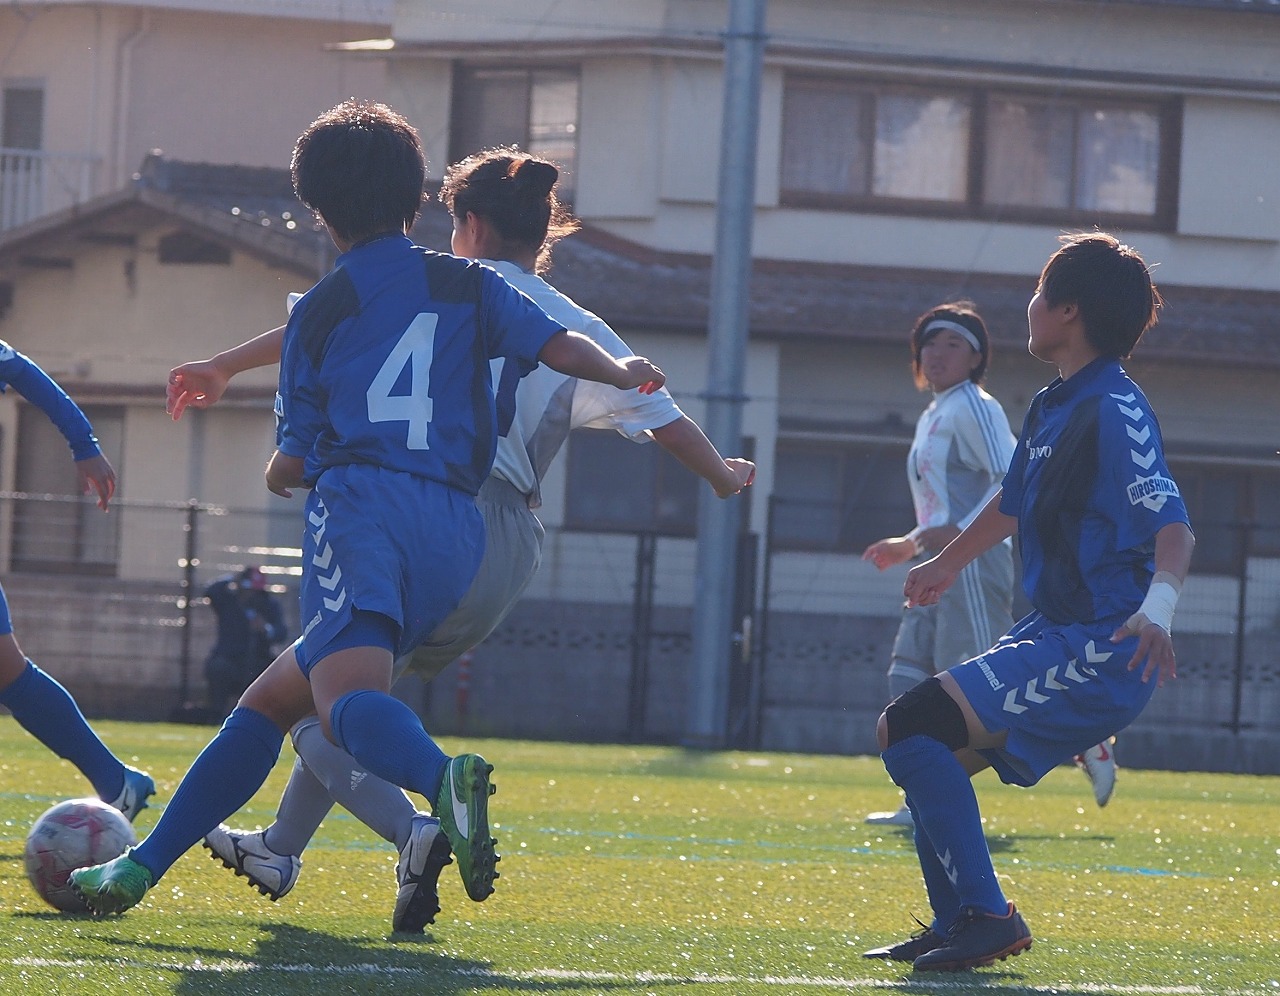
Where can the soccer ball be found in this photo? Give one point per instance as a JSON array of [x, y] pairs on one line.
[[73, 834]]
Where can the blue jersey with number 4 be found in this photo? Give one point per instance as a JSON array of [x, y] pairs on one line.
[[385, 361]]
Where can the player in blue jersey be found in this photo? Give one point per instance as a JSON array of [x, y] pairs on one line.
[[387, 415], [38, 701], [506, 213], [958, 457], [1105, 545]]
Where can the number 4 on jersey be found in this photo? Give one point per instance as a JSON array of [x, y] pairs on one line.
[[415, 349]]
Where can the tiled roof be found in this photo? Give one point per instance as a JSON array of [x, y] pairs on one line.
[[634, 288]]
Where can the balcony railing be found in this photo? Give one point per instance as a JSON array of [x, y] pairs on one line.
[[34, 183]]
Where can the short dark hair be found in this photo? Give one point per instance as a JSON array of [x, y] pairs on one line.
[[360, 166], [964, 313], [515, 192], [1110, 284]]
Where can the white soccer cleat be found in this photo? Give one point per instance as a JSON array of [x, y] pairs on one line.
[[1099, 766], [898, 818], [247, 854], [417, 872]]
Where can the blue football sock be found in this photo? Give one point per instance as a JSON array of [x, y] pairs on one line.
[[943, 898], [943, 803], [47, 711], [386, 736], [221, 780]]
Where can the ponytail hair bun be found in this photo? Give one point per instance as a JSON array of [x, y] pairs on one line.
[[534, 175]]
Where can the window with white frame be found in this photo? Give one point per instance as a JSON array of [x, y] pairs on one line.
[[978, 152], [535, 108]]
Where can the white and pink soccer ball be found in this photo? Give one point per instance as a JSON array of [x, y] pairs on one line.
[[71, 835]]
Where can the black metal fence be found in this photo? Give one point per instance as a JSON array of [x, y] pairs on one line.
[[599, 648], [828, 622]]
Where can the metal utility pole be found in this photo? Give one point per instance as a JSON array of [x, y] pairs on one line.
[[719, 521]]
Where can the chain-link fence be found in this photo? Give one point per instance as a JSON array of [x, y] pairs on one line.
[[598, 649], [828, 621]]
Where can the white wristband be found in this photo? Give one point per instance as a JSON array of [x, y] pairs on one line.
[[1162, 598]]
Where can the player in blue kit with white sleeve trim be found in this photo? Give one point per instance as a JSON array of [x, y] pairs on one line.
[[387, 415], [37, 701], [1105, 545]]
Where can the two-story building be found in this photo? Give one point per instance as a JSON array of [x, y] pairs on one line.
[[908, 152]]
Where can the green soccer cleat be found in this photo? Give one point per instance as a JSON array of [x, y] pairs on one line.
[[462, 807], [113, 887]]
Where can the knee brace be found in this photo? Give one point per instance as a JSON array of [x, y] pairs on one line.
[[927, 711]]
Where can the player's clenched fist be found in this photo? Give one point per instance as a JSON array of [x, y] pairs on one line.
[[926, 582]]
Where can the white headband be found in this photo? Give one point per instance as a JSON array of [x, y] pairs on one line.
[[942, 324]]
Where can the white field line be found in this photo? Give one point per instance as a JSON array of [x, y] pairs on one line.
[[235, 966]]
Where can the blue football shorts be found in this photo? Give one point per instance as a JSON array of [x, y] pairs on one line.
[[383, 541], [1058, 690]]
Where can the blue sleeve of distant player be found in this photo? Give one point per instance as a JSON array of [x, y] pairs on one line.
[[1136, 491], [511, 323], [40, 389], [300, 417]]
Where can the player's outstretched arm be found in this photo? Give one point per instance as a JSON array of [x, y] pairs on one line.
[[96, 476], [685, 440], [201, 383], [578, 355], [926, 583], [1154, 619]]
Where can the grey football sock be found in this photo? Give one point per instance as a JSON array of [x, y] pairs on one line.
[[303, 806], [378, 804]]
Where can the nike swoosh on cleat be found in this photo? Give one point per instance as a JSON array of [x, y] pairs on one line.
[[461, 816]]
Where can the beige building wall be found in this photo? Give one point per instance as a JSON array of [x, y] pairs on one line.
[[203, 86], [660, 115]]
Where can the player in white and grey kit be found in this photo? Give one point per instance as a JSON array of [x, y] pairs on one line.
[[505, 214], [961, 450]]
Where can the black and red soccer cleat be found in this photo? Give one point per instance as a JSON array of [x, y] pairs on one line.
[[977, 939]]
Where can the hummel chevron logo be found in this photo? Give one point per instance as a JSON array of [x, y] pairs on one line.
[[1138, 437], [319, 521], [321, 558], [1092, 655], [334, 604], [1143, 460], [335, 579], [953, 873], [1134, 413], [1073, 672]]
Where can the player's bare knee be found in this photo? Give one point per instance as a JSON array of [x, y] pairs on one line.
[[926, 711]]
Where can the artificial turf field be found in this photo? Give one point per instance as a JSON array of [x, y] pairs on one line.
[[637, 870]]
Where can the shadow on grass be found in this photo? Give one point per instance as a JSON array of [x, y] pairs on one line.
[[295, 960], [1007, 842]]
